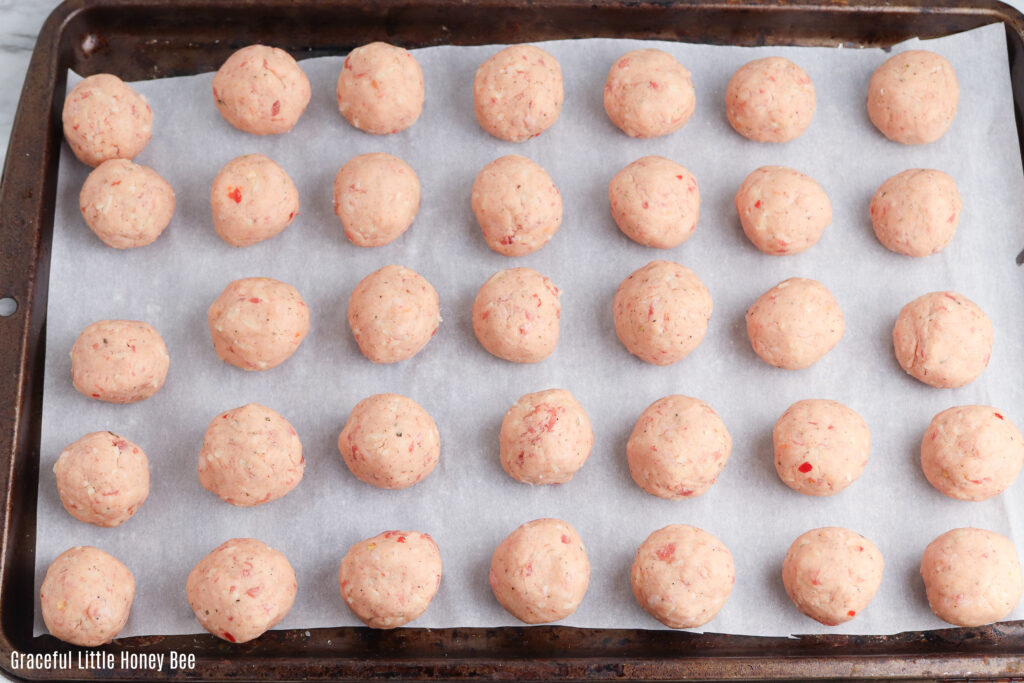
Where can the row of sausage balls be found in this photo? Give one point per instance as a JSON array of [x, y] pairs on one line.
[[517, 94], [654, 201], [681, 575], [252, 455]]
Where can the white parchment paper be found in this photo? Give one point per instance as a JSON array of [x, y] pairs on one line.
[[469, 504]]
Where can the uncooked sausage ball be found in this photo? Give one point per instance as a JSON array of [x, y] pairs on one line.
[[86, 596], [943, 339], [257, 323], [678, 448], [661, 312], [770, 100], [916, 212], [682, 576], [913, 96], [517, 93], [119, 361], [252, 199], [250, 455], [795, 323], [972, 452], [261, 90], [393, 313], [540, 572], [971, 576], [241, 589], [782, 211], [820, 447], [831, 574], [649, 94], [517, 205], [126, 205], [380, 89], [105, 119], [516, 315], [545, 438], [376, 197], [390, 579], [655, 202], [102, 479], [390, 441]]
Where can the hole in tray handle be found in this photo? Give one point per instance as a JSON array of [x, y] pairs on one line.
[[8, 307]]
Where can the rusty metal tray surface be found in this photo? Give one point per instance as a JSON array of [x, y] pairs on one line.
[[140, 39]]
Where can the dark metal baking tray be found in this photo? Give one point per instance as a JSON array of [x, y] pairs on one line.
[[140, 39]]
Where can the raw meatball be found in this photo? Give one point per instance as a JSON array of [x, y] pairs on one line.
[[390, 441], [821, 447], [102, 479], [517, 93], [678, 448], [912, 97], [119, 361], [241, 589], [516, 315], [545, 438], [376, 197], [782, 211], [655, 202], [105, 119], [257, 323], [540, 572], [125, 204], [393, 313], [380, 89], [831, 574], [250, 456], [261, 90], [252, 199], [390, 579], [86, 596], [795, 323], [770, 100], [649, 94], [916, 212], [662, 312], [517, 205], [972, 452], [971, 576], [943, 339], [682, 576]]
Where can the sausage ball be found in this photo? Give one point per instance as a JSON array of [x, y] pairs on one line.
[[257, 323], [661, 312], [105, 119], [126, 205], [795, 323], [261, 90], [682, 576], [102, 479], [649, 94], [517, 93], [516, 315], [782, 211], [517, 205], [678, 448], [380, 89], [390, 579], [770, 100], [390, 441], [545, 438], [376, 197], [252, 199], [119, 361], [821, 447], [912, 97], [972, 452], [943, 339], [540, 572], [916, 212], [86, 596], [655, 202], [393, 313]]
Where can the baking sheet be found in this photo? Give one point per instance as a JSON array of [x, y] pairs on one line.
[[468, 504]]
